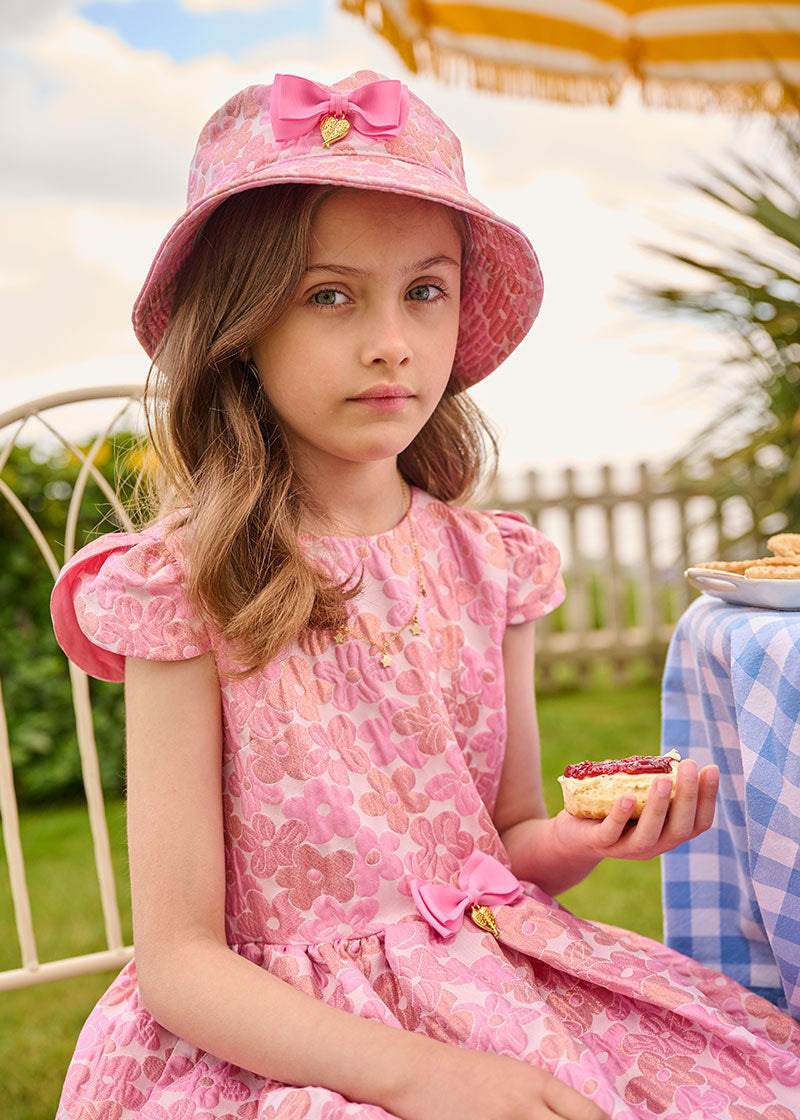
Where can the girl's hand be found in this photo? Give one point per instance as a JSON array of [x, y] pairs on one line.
[[463, 1083], [661, 826]]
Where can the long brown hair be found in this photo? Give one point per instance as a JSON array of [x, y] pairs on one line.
[[225, 472]]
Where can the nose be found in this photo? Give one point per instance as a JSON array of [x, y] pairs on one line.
[[385, 340]]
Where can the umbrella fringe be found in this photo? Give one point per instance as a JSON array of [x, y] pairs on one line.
[[510, 78], [454, 67], [730, 97]]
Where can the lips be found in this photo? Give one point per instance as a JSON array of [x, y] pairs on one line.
[[384, 392], [384, 398]]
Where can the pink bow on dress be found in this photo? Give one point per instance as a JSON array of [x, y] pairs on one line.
[[482, 883], [297, 105]]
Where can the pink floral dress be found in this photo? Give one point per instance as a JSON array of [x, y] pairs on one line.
[[353, 791]]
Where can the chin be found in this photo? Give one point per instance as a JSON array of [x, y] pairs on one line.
[[377, 452]]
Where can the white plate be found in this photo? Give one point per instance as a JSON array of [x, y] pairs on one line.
[[775, 594]]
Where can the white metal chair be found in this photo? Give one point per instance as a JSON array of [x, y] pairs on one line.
[[48, 415]]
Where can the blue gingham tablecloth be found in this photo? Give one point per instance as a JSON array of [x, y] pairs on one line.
[[731, 695]]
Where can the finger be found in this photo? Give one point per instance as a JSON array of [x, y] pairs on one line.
[[651, 823], [613, 826], [682, 817], [571, 1105], [708, 789]]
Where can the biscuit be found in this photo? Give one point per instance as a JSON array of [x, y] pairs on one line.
[[777, 571], [725, 565], [740, 566], [784, 543], [594, 797], [786, 547]]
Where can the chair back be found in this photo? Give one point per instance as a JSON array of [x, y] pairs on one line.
[[49, 418]]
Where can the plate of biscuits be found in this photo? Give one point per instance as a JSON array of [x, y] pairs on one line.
[[770, 581]]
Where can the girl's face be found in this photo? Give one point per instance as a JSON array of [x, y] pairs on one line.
[[360, 360]]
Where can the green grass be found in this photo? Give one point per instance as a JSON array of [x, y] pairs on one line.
[[64, 897], [606, 723], [38, 1026]]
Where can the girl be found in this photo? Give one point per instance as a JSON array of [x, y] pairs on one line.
[[341, 862]]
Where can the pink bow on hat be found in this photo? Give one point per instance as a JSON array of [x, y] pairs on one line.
[[482, 882], [377, 109]]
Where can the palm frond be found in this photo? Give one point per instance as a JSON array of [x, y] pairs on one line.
[[752, 292]]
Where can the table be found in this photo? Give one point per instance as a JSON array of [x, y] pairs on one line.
[[731, 695]]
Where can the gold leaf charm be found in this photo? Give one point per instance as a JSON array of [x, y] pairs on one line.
[[482, 916], [333, 129]]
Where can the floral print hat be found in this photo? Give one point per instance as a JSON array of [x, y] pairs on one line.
[[367, 132]]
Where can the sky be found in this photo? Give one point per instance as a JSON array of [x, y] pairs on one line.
[[102, 105]]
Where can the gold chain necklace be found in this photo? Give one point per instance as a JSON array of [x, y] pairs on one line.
[[345, 632]]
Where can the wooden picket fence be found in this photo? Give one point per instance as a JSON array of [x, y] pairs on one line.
[[626, 537]]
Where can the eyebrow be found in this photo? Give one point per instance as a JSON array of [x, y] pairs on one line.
[[347, 270]]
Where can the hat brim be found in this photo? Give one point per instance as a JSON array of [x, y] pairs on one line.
[[502, 284]]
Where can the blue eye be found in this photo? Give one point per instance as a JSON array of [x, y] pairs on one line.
[[326, 297], [422, 292]]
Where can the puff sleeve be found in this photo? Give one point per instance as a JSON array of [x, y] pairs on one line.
[[535, 584], [122, 596]]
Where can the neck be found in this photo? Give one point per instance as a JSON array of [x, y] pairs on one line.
[[358, 500]]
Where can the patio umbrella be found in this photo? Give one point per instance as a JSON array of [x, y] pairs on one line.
[[716, 53]]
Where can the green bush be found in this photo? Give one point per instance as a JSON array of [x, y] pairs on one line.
[[33, 670]]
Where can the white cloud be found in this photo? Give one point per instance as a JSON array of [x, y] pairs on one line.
[[204, 6], [65, 305], [589, 358], [94, 120], [23, 18]]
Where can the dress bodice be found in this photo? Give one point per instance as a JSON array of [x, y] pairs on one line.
[[343, 777]]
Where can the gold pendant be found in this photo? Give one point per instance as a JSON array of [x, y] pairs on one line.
[[333, 129], [482, 916], [338, 637], [416, 628], [386, 660]]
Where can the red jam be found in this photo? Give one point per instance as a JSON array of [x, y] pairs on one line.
[[636, 764]]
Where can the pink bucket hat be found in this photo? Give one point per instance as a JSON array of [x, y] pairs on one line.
[[366, 132]]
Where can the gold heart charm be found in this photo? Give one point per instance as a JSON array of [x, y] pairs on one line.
[[333, 129], [484, 917]]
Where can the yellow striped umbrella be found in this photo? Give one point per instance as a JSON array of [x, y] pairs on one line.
[[730, 53]]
